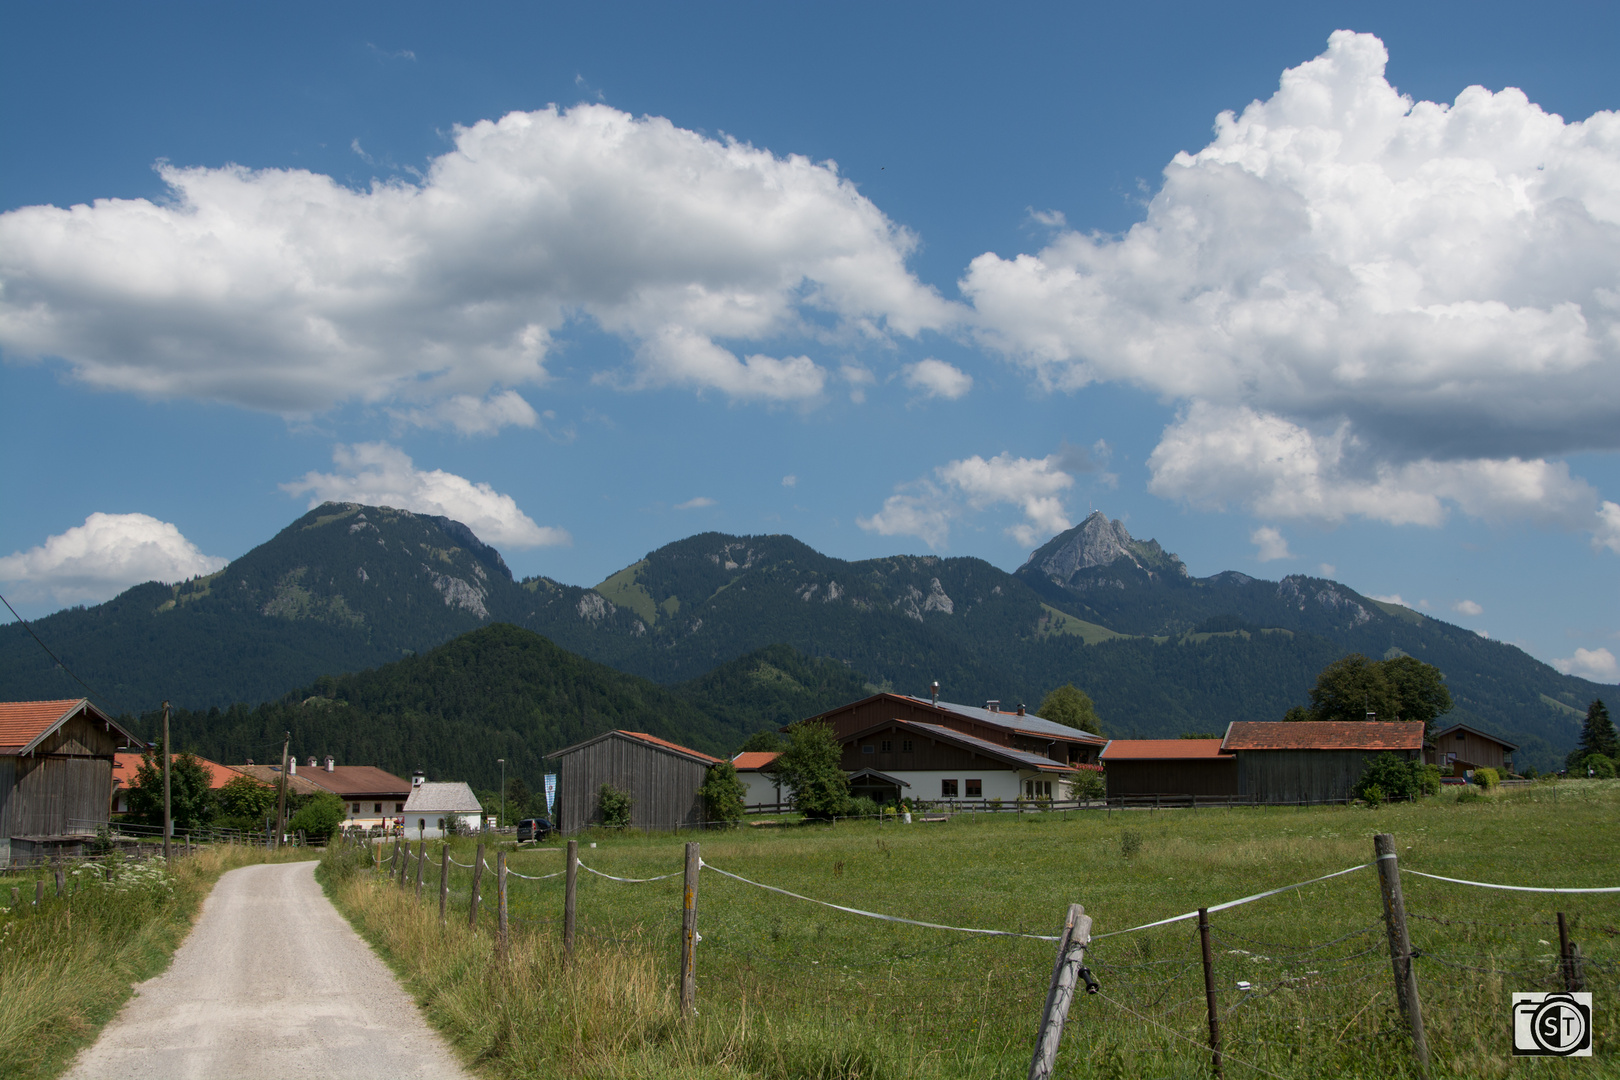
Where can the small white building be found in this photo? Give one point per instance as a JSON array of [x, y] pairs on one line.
[[432, 804], [760, 789]]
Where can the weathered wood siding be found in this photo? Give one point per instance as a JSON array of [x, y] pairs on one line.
[[925, 754], [64, 786], [663, 786], [1196, 776], [1301, 776], [1473, 751]]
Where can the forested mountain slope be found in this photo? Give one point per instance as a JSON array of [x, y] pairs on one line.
[[505, 692]]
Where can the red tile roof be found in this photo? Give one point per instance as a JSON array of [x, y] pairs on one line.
[[356, 781], [754, 759], [22, 722], [667, 745], [126, 765], [1161, 750], [1325, 735]]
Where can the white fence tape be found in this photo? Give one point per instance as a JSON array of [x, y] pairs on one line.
[[463, 865], [542, 877], [1510, 888], [630, 880], [875, 915], [1232, 903]]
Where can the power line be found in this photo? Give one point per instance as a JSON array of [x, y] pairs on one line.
[[46, 647]]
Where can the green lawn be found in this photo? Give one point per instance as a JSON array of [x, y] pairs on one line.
[[788, 988]]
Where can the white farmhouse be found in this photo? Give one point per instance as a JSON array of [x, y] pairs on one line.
[[432, 804]]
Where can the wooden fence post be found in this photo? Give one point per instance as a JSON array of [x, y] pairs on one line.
[[500, 903], [1209, 991], [689, 932], [1569, 962], [421, 864], [1400, 947], [568, 896], [61, 887], [393, 860], [478, 877], [444, 883], [39, 891], [1071, 958]]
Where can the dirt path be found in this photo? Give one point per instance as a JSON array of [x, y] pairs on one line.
[[272, 983]]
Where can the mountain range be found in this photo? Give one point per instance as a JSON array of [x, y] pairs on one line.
[[349, 587]]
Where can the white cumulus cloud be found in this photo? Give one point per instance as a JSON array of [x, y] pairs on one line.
[[697, 503], [926, 508], [1392, 598], [380, 474], [96, 561], [1272, 544], [475, 416], [1598, 665], [1467, 607], [282, 290], [1371, 306], [936, 378]]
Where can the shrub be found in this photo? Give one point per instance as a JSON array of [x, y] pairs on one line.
[[1130, 842], [1429, 780], [812, 767], [1602, 767], [321, 817], [861, 806], [724, 798], [1394, 777], [1088, 785], [1468, 795], [1487, 778], [614, 806], [1373, 794]]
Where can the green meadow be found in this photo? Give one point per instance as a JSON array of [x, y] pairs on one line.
[[788, 988]]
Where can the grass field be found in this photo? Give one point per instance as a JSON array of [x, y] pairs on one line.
[[791, 989], [68, 964]]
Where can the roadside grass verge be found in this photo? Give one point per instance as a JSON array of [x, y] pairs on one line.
[[789, 989], [67, 966]]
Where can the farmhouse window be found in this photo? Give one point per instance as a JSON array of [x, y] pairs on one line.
[[1037, 789], [399, 808], [905, 746], [947, 789], [355, 808], [376, 808], [1462, 736], [868, 749], [975, 789], [888, 747]]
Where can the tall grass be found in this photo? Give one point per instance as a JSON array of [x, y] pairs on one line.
[[67, 964], [788, 989]]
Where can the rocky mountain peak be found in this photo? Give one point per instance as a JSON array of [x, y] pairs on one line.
[[1099, 542]]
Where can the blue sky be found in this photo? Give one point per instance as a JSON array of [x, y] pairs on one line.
[[1345, 334]]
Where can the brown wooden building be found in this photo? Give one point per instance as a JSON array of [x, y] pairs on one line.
[[1313, 761], [56, 775], [1169, 767], [1015, 729], [1460, 749], [662, 778], [896, 759]]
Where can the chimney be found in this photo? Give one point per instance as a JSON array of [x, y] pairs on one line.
[[250, 761], [311, 762], [993, 705], [331, 762], [292, 765], [933, 692], [1020, 708], [416, 779]]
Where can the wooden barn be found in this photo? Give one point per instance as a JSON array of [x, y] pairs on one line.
[[1313, 761], [1460, 749], [1169, 767], [662, 778], [898, 759], [56, 775]]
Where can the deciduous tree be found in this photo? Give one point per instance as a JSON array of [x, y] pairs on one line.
[[1071, 706], [812, 769]]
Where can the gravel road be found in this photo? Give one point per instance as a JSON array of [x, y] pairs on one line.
[[272, 983]]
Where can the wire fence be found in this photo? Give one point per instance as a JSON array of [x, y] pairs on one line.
[[1285, 987]]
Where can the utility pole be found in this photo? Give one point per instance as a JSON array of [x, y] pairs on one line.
[[168, 819], [281, 801], [502, 820]]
